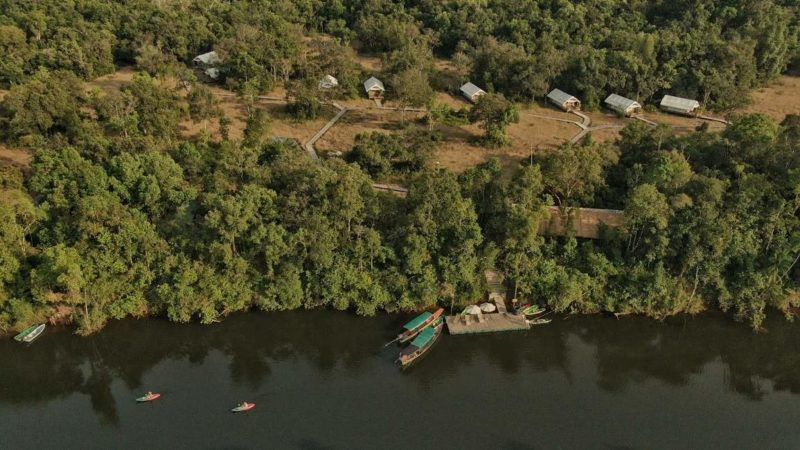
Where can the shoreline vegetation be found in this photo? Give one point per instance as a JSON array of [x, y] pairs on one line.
[[112, 211]]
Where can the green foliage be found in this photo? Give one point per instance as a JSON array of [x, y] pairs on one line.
[[118, 216], [494, 113], [574, 172], [48, 104], [412, 88], [382, 155], [305, 104]]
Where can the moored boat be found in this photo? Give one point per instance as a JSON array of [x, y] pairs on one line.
[[417, 324], [421, 344], [539, 321], [532, 310], [149, 397], [30, 333], [244, 406]]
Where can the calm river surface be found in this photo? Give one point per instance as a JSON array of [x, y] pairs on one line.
[[323, 380]]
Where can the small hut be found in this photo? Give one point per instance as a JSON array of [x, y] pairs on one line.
[[328, 82], [374, 88], [622, 105], [207, 59], [472, 92], [563, 100], [677, 105]]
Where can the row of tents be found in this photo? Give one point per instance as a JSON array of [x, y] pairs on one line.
[[375, 89], [625, 106], [617, 103]]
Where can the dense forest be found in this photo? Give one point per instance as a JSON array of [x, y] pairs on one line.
[[118, 215]]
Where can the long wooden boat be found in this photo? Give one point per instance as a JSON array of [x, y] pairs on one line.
[[417, 324], [30, 333], [421, 344]]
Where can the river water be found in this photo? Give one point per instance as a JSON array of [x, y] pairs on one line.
[[323, 380]]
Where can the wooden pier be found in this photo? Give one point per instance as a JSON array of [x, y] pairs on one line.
[[502, 320], [489, 323]]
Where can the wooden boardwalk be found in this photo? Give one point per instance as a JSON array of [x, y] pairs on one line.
[[309, 146]]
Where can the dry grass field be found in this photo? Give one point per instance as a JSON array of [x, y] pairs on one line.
[[14, 157], [777, 100], [459, 149]]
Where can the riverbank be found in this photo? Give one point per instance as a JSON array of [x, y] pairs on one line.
[[66, 324]]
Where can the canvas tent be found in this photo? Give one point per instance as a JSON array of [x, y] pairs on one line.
[[328, 82], [563, 100], [472, 92], [622, 105], [677, 105], [207, 59]]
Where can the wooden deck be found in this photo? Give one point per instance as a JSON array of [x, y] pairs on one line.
[[488, 323], [491, 323]]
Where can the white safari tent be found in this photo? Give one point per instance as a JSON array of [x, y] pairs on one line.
[[207, 59], [622, 105], [374, 88], [472, 92], [563, 100], [328, 82], [677, 105]]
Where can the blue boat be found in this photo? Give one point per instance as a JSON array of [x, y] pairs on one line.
[[421, 344], [417, 324]]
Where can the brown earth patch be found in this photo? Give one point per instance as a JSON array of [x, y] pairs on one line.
[[114, 80], [605, 135], [15, 157], [779, 99]]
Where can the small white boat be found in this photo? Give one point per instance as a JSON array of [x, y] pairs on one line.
[[29, 334], [539, 321]]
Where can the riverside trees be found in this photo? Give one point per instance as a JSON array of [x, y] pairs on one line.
[[120, 216]]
